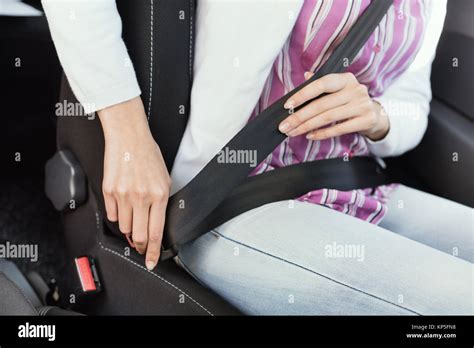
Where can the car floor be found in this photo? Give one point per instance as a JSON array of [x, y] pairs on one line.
[[27, 217], [30, 89]]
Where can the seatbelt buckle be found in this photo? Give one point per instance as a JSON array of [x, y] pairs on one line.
[[165, 253], [168, 253], [88, 275]]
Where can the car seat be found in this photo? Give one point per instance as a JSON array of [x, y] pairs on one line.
[[158, 35]]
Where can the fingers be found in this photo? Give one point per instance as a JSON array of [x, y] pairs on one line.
[[141, 216], [155, 230], [315, 110], [308, 75], [336, 114], [338, 85], [110, 205], [124, 215], [349, 126], [140, 225], [135, 176], [327, 84]]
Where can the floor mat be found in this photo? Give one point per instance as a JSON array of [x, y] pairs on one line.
[[28, 221]]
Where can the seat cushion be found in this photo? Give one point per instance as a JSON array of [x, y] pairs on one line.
[[12, 299]]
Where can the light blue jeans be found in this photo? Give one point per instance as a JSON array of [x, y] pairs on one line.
[[298, 258]]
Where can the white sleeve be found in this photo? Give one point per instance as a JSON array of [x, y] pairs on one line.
[[88, 39], [407, 99]]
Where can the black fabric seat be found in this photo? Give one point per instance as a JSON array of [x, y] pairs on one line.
[[166, 64]]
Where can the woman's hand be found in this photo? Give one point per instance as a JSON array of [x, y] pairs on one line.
[[347, 108], [136, 181]]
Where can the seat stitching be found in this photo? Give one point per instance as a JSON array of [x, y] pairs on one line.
[[156, 275], [314, 272], [191, 15], [151, 57]]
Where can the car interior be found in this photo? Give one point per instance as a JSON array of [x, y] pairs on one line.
[[51, 173]]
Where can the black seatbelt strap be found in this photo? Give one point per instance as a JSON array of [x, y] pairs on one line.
[[290, 182], [189, 208]]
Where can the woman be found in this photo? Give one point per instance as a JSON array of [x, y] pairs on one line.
[[328, 252]]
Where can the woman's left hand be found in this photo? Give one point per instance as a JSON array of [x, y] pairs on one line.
[[347, 108]]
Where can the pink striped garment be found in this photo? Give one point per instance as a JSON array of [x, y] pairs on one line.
[[320, 27]]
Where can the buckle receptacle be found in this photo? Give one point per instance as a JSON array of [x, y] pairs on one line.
[[168, 253]]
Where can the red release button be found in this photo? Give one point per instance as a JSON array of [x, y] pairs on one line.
[[85, 274]]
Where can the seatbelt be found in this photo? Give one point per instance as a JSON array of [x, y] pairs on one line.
[[290, 182], [189, 210]]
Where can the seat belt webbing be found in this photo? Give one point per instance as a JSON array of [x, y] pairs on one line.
[[293, 181]]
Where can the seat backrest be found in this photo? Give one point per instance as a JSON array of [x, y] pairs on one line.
[[443, 163], [452, 69], [159, 38]]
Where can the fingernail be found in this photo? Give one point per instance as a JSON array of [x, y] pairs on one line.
[[150, 265], [306, 75], [289, 104], [284, 127], [309, 136], [129, 240]]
